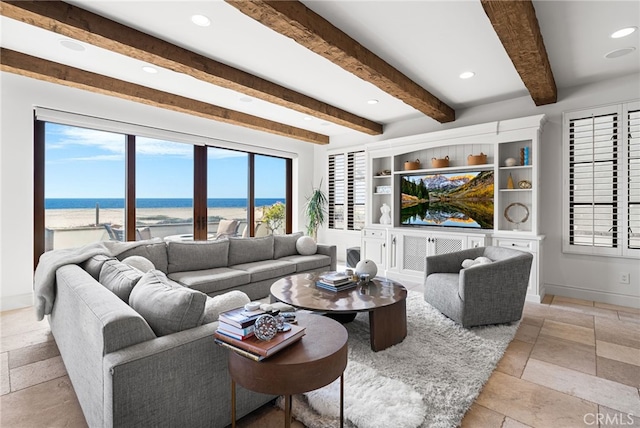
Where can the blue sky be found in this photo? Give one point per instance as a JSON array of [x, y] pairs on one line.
[[84, 163]]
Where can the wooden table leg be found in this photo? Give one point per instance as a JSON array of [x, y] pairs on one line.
[[388, 325], [287, 411], [233, 404]]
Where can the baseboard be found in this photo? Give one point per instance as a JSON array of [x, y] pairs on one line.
[[596, 296], [16, 302]]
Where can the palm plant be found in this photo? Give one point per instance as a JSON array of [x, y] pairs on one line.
[[316, 211]]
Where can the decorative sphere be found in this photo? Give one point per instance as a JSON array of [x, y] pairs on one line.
[[510, 162], [366, 266], [306, 246]]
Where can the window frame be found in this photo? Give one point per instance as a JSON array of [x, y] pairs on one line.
[[199, 143], [622, 185]]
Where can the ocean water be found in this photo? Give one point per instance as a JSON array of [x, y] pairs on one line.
[[79, 203]]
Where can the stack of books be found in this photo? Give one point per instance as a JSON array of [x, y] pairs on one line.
[[236, 332], [335, 281]]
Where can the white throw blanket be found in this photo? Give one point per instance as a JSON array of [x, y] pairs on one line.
[[45, 275]]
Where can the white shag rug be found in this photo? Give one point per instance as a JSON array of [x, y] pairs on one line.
[[428, 380]]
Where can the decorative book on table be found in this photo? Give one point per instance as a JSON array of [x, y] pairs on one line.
[[332, 287], [240, 317], [236, 332], [263, 348], [335, 278]]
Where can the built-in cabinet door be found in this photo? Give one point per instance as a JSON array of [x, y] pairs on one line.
[[374, 248]]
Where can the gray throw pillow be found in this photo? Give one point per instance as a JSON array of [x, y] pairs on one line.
[[93, 265], [155, 252], [119, 278], [188, 256], [247, 250], [285, 245], [167, 306]]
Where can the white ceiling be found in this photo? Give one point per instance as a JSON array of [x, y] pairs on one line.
[[431, 42]]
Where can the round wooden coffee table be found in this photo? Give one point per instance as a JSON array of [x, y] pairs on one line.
[[314, 361], [385, 300]]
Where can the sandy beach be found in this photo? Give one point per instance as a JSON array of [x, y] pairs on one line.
[[71, 218]]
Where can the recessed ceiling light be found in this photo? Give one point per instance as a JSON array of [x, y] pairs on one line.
[[467, 75], [325, 124], [372, 101], [246, 99], [201, 20], [149, 69], [74, 46], [623, 32], [308, 118], [619, 52]]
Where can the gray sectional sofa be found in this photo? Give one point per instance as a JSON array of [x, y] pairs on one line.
[[152, 361]]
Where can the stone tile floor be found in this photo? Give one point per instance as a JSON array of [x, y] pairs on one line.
[[573, 363]]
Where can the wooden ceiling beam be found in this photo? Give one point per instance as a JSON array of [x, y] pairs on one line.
[[293, 19], [516, 25], [38, 68], [94, 29]]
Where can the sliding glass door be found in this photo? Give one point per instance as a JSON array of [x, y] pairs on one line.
[[227, 192]]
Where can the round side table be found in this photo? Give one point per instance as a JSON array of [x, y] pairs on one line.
[[316, 360]]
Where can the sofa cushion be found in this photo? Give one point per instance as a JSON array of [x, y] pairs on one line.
[[267, 269], [167, 306], [120, 278], [285, 245], [212, 280], [304, 263], [214, 306], [93, 265], [187, 256], [156, 252], [247, 250], [141, 263]]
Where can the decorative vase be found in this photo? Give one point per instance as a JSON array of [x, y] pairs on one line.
[[366, 267], [510, 182]]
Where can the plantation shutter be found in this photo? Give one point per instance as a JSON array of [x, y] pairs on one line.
[[633, 165], [356, 192], [336, 191], [593, 181]]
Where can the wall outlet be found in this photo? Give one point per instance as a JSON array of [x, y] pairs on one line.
[[624, 278]]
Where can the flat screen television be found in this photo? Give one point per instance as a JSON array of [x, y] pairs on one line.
[[463, 199]]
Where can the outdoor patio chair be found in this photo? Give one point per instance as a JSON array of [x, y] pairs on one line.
[[115, 233]]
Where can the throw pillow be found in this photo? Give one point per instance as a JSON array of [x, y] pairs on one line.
[[119, 278], [167, 306], [141, 263], [285, 245], [227, 228], [468, 263], [214, 306], [93, 265], [189, 256], [247, 250], [306, 245]]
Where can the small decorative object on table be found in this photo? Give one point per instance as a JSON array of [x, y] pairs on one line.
[[368, 267], [384, 172], [266, 327], [510, 182], [364, 278]]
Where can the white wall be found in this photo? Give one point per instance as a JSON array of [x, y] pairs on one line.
[[18, 97], [587, 277]]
